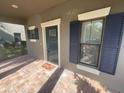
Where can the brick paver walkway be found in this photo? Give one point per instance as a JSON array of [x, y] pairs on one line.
[[28, 75]]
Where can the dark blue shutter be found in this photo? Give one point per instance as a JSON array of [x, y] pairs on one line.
[[111, 43], [36, 33], [75, 41]]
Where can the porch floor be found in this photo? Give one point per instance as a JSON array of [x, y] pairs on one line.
[[29, 75]]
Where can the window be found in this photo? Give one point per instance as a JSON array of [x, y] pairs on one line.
[[33, 34], [17, 37], [90, 42]]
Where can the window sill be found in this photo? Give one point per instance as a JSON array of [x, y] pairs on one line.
[[88, 69], [33, 40]]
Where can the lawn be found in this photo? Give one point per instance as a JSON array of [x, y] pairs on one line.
[[7, 53]]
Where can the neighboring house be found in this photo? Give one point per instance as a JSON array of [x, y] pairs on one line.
[[85, 42], [10, 33]]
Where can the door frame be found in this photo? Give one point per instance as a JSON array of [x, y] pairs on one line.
[[55, 22]]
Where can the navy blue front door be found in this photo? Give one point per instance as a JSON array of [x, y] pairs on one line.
[[52, 44]]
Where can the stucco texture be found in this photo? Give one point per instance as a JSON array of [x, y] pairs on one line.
[[68, 12]]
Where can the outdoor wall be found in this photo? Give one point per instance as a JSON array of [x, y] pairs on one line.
[[35, 48], [68, 11]]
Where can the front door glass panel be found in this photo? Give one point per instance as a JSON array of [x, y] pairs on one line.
[[52, 44]]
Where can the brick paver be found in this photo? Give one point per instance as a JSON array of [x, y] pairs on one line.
[[35, 78]]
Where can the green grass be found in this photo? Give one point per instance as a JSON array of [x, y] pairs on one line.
[[7, 53]]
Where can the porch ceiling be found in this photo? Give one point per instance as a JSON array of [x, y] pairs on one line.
[[26, 7]]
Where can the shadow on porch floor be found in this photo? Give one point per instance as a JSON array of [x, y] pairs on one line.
[[28, 75]]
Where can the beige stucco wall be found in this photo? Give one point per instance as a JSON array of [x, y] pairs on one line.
[[35, 48], [68, 11]]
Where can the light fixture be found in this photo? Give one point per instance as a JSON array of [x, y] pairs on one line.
[[14, 6]]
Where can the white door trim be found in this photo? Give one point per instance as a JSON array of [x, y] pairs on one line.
[[55, 22]]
